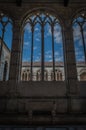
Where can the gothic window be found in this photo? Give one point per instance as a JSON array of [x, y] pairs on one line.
[[5, 46], [79, 33], [42, 44]]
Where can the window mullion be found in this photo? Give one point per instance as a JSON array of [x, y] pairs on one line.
[[32, 53], [53, 51], [42, 53], [83, 40], [22, 40], [2, 39]]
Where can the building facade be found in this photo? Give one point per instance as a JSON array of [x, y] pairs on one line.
[[48, 72], [4, 63]]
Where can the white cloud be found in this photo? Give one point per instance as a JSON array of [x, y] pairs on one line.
[[79, 53], [76, 33], [57, 33], [80, 43], [60, 58], [56, 53], [35, 48], [57, 36], [49, 33], [37, 36], [36, 58], [48, 56], [26, 43], [37, 39], [28, 27], [81, 58], [50, 60], [48, 52], [39, 54], [26, 59], [37, 29]]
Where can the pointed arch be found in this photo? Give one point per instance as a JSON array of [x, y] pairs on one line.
[[44, 30], [79, 35]]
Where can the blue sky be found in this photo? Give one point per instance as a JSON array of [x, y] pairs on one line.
[[8, 32], [58, 43], [47, 43], [79, 51]]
